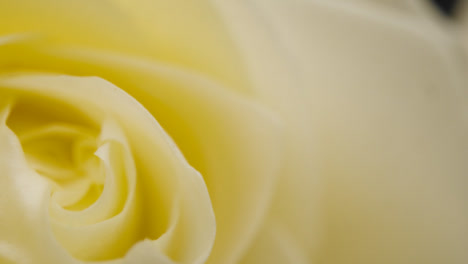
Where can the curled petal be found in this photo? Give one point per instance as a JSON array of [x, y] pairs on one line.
[[233, 141], [146, 190], [23, 203]]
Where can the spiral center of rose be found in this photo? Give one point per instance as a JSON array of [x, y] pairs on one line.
[[64, 154], [62, 150]]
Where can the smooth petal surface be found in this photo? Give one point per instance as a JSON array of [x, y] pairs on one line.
[[277, 84], [387, 104], [410, 8], [275, 244], [82, 23], [23, 203], [190, 35], [358, 106], [151, 210], [233, 142]]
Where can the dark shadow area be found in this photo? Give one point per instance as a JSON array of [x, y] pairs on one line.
[[447, 7]]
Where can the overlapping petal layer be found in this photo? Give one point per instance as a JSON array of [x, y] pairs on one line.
[[374, 167], [145, 190], [233, 142], [23, 203], [189, 35], [387, 104]]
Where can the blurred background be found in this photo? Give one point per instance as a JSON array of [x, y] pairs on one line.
[[447, 7]]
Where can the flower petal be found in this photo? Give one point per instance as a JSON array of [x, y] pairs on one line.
[[23, 203], [83, 23], [234, 142], [388, 105], [190, 35], [161, 181], [275, 245]]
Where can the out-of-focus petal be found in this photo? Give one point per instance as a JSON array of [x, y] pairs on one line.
[[186, 34], [82, 23], [386, 107], [274, 244]]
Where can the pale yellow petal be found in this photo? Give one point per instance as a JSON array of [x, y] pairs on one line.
[[274, 244], [413, 8], [388, 106], [235, 143], [80, 23], [161, 180], [26, 236], [278, 84], [191, 35], [187, 34]]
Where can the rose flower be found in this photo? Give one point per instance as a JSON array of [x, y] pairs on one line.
[[223, 132]]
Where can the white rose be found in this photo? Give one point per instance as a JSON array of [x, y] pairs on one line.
[[297, 131]]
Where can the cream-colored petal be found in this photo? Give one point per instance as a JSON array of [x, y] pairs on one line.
[[275, 245], [161, 181], [387, 105], [277, 83], [82, 23], [421, 13], [190, 35], [119, 186], [143, 252], [84, 232], [25, 234], [48, 148], [400, 5], [415, 8], [235, 143]]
